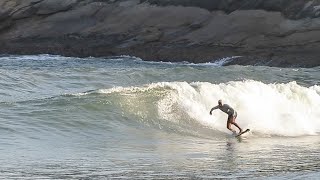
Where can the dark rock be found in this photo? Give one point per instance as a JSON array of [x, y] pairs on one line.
[[5, 24], [54, 6], [3, 15], [273, 32], [294, 9], [24, 12]]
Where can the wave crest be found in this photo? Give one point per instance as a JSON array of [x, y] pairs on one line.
[[274, 109]]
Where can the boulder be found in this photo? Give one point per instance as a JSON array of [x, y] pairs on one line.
[[54, 6]]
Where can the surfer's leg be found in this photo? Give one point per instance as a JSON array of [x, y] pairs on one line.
[[235, 124], [234, 121], [229, 122]]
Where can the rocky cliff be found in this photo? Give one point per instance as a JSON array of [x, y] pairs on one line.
[[262, 32]]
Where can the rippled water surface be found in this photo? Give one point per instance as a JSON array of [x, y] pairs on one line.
[[122, 118]]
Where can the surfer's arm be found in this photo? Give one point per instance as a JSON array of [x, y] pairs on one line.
[[214, 108]]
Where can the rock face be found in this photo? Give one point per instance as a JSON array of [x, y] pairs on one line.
[[273, 32]]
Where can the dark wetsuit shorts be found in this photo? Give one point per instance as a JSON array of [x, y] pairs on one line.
[[233, 115]]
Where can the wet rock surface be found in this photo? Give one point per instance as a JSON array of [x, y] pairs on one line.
[[275, 32]]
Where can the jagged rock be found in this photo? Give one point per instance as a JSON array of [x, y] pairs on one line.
[[54, 6], [24, 12], [273, 32]]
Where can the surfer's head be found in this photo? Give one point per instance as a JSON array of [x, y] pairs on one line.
[[220, 102]]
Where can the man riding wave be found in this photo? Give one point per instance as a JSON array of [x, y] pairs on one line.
[[232, 115]]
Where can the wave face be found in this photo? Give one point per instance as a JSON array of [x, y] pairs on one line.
[[121, 117], [172, 97], [267, 109]]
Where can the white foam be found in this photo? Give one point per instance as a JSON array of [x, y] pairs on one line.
[[273, 109], [35, 57], [147, 87], [223, 61]]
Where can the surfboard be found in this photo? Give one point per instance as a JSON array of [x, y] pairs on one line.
[[247, 130]]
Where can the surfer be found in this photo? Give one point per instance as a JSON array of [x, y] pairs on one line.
[[232, 115]]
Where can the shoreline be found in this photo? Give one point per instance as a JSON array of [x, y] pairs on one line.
[[193, 54]]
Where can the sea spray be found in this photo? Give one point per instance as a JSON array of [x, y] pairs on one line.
[[285, 109]]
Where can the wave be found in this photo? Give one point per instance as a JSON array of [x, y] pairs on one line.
[[280, 109], [48, 57], [286, 109]]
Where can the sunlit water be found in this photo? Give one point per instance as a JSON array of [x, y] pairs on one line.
[[122, 118]]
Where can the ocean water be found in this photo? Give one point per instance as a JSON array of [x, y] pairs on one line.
[[123, 118]]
